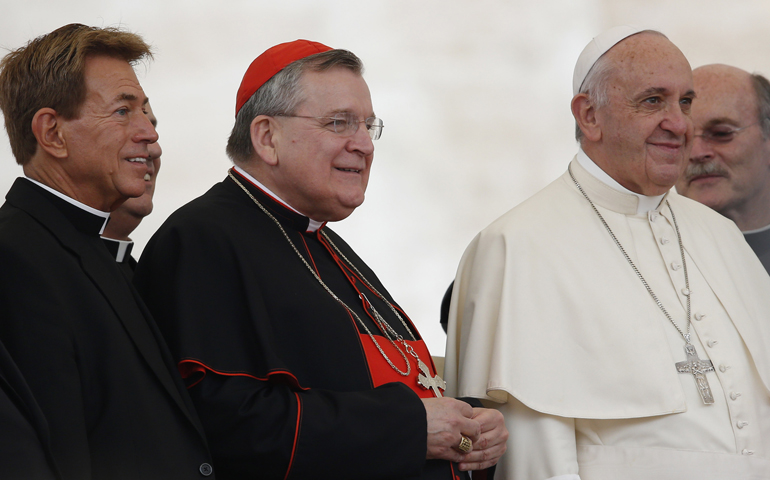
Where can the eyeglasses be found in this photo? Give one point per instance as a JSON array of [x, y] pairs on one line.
[[346, 124], [722, 133]]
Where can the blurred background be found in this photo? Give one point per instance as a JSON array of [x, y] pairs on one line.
[[475, 98]]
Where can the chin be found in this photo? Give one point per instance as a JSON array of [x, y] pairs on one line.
[[137, 207], [664, 183], [338, 215]]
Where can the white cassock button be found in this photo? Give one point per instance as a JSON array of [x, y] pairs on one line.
[[723, 368], [741, 424], [711, 343], [747, 452], [685, 292], [699, 316], [734, 396], [675, 266], [663, 240], [653, 216]]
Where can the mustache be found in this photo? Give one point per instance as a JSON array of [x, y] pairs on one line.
[[699, 169]]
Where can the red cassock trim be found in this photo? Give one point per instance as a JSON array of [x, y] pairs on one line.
[[195, 370], [383, 373], [296, 436]]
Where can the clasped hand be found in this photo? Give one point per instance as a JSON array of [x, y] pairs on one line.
[[449, 419]]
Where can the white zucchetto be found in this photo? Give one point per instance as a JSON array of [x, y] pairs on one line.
[[595, 49]]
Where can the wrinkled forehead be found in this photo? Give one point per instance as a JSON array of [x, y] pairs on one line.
[[724, 90], [651, 60], [719, 75], [113, 79], [337, 89]]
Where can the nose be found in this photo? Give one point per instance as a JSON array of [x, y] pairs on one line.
[[145, 131], [361, 141], [677, 121], [153, 165], [154, 150], [701, 150]]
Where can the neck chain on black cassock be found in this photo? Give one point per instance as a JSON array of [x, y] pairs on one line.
[[693, 365], [424, 378]]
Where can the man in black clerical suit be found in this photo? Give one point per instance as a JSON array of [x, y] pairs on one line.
[[729, 167], [128, 216], [300, 363], [75, 327]]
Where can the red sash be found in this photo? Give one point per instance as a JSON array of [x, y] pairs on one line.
[[383, 373]]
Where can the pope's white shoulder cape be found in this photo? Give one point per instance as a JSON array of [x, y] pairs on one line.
[[546, 309]]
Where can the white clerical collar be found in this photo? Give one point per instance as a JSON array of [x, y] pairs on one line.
[[80, 205], [122, 248], [313, 225], [645, 203]]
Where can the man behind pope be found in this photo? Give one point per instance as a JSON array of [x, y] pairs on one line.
[[299, 362], [620, 328], [729, 167], [108, 404]]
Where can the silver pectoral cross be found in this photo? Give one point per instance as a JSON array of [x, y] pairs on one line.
[[698, 369], [426, 381]]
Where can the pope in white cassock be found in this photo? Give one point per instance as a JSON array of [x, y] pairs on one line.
[[622, 329]]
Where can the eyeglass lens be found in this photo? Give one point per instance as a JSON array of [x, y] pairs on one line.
[[347, 124], [722, 133]]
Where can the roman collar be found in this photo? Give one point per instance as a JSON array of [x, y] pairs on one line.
[[86, 219], [271, 201], [643, 203]]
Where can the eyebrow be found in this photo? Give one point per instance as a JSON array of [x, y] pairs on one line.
[[344, 110], [651, 91], [660, 90], [338, 111], [719, 120], [131, 97]]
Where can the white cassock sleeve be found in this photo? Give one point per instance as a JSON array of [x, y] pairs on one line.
[[540, 446]]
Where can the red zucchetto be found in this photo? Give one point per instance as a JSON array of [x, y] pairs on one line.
[[272, 61]]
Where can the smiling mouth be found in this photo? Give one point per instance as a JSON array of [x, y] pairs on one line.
[[352, 170], [669, 146], [137, 160]]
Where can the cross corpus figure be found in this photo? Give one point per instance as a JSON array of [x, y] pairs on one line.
[[698, 369]]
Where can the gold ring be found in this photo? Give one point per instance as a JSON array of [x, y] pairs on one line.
[[465, 444]]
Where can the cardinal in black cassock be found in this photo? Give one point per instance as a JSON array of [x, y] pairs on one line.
[[299, 362]]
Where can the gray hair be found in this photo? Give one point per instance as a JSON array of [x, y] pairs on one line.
[[596, 83], [762, 88], [596, 87], [281, 95]]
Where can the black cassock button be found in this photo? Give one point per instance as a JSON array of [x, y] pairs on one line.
[[206, 469]]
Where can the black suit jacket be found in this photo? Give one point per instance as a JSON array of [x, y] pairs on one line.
[[89, 349], [25, 452]]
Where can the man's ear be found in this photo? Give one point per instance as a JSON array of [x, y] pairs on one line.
[[585, 116], [264, 135], [47, 129]]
